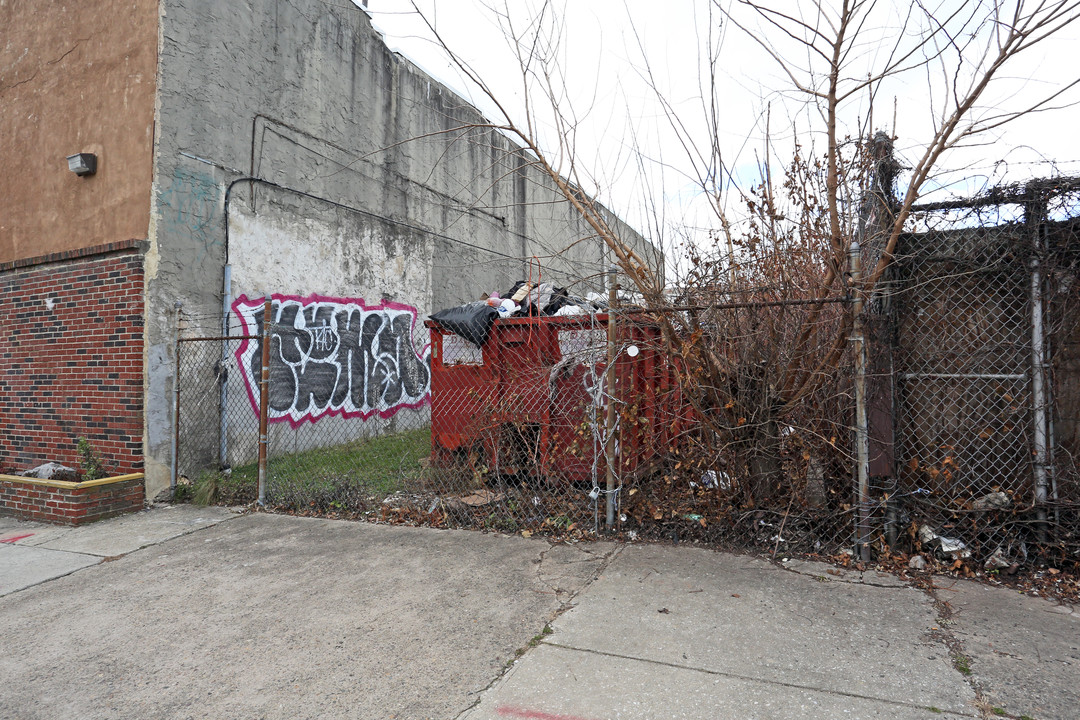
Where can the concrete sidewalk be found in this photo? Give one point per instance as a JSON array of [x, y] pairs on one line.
[[278, 617]]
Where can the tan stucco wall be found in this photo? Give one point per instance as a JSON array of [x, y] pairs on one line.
[[75, 76]]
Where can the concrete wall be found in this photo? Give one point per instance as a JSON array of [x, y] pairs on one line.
[[75, 77], [379, 197]]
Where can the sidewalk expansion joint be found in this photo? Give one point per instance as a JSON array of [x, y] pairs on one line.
[[749, 678], [960, 661], [564, 605]]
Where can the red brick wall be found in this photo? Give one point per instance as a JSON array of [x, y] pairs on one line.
[[71, 348], [70, 506]]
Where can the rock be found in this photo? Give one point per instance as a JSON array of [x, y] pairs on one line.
[[53, 471], [917, 562], [993, 501]]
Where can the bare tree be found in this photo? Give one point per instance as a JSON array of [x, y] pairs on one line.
[[753, 321]]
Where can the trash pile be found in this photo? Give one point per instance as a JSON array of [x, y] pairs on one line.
[[473, 320]]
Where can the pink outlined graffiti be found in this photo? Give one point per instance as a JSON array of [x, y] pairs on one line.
[[334, 356]]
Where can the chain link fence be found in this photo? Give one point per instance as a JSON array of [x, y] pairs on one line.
[[982, 322], [672, 426]]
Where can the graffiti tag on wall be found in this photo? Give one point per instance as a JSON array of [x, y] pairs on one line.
[[333, 356], [189, 204]]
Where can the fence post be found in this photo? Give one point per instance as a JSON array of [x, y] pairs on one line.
[[1040, 440], [862, 443], [174, 470], [609, 436], [264, 398]]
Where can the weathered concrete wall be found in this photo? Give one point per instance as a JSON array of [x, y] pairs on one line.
[[381, 197], [75, 77]]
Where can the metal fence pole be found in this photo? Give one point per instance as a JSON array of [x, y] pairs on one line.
[[862, 443], [264, 399], [174, 470], [1038, 398], [609, 437]]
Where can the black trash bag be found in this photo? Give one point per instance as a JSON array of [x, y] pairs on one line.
[[471, 321], [559, 299]]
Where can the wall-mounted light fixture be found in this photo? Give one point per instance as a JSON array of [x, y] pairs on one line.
[[82, 163]]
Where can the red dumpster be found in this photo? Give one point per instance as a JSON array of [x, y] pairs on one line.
[[532, 403]]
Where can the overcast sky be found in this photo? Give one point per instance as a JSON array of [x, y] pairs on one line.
[[608, 48]]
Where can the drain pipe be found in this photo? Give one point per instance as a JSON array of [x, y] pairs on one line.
[[223, 369]]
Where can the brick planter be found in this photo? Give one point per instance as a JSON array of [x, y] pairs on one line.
[[70, 503]]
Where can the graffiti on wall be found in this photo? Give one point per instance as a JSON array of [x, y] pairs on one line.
[[188, 203], [334, 356]]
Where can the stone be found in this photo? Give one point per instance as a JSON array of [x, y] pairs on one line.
[[53, 471]]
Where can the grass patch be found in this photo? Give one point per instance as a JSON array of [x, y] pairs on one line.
[[329, 477]]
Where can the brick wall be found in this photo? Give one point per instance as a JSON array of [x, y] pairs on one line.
[[71, 348], [71, 505]]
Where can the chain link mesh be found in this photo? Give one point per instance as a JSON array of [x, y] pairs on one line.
[[375, 414]]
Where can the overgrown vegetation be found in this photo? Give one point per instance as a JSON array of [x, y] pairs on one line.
[[91, 464]]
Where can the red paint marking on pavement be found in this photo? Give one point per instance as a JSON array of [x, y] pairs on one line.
[[534, 714], [15, 538]]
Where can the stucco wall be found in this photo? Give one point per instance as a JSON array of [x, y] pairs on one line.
[[376, 199], [75, 77]]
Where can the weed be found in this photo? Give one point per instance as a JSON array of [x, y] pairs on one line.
[[182, 493], [934, 710], [206, 489], [997, 711], [93, 468], [536, 640], [1026, 717], [540, 636], [963, 664]]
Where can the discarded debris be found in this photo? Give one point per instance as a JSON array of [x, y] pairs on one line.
[[993, 501], [481, 497], [997, 561]]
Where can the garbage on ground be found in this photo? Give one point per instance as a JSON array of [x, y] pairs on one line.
[[993, 501], [997, 561], [481, 497], [952, 547], [711, 479], [926, 534], [917, 562]]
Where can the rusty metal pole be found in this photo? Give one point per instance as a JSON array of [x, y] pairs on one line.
[[862, 438], [264, 399], [609, 426]]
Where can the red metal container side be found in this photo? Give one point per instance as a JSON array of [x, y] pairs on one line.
[[527, 403]]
